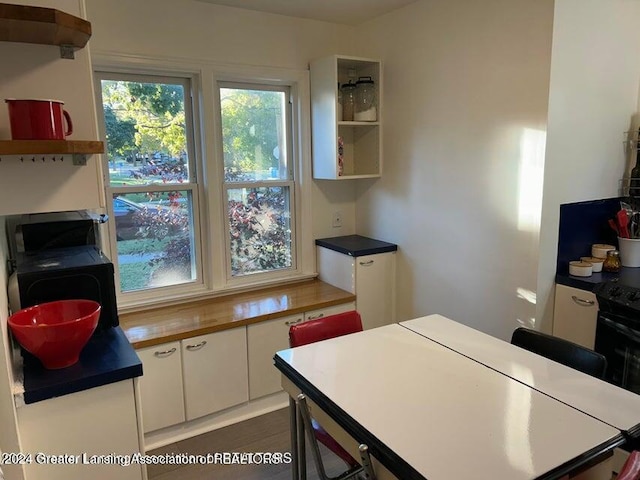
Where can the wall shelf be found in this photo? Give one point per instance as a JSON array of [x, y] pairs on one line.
[[78, 149], [48, 26]]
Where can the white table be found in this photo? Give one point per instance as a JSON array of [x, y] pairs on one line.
[[613, 405], [428, 412]]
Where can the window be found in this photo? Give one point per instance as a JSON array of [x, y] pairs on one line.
[[150, 181], [258, 179], [203, 187]]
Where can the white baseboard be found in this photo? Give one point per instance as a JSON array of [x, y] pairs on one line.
[[245, 411]]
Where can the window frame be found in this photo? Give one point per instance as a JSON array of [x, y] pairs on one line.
[[290, 182], [204, 76], [193, 186]]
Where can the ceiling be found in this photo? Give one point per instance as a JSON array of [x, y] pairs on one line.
[[349, 12]]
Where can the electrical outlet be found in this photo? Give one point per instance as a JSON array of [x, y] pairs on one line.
[[337, 220]]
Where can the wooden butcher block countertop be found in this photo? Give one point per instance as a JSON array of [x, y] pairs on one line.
[[155, 326]]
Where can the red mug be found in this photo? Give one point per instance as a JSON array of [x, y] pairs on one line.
[[38, 119]]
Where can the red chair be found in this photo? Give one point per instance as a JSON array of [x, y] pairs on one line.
[[631, 468], [315, 331]]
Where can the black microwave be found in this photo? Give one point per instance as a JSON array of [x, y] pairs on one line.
[[81, 272]]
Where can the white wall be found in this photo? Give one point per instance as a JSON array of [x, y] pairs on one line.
[[466, 90], [595, 73], [37, 71], [204, 32]]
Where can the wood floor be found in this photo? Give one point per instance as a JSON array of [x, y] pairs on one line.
[[267, 433]]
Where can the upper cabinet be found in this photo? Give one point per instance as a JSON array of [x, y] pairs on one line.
[[344, 148]]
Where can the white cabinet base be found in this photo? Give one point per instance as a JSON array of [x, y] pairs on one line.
[[102, 419], [575, 315], [370, 277]]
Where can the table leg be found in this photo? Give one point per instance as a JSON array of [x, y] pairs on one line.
[[293, 428], [302, 453]]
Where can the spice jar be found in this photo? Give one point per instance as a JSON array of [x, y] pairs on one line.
[[612, 262], [366, 100], [348, 101]]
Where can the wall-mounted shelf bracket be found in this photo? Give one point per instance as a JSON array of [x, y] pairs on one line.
[[67, 51], [79, 159]]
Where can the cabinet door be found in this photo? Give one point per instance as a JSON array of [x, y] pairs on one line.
[[375, 289], [575, 315], [215, 372], [325, 312], [264, 339], [161, 386]]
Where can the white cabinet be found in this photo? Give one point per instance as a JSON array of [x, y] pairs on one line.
[[370, 277], [361, 141], [264, 339], [193, 377], [326, 311], [215, 372], [575, 315], [97, 421], [161, 386]]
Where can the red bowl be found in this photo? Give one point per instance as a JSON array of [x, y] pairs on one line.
[[56, 332]]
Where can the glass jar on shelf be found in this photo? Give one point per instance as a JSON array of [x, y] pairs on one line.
[[348, 101], [366, 100], [339, 106]]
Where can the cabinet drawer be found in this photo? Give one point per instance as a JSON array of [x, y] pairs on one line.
[[263, 341], [215, 372], [325, 312], [575, 315], [161, 386]]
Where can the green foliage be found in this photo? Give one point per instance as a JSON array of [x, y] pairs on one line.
[[144, 118], [251, 131]]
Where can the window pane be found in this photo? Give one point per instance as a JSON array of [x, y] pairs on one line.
[[253, 134], [260, 229], [155, 240], [146, 132]]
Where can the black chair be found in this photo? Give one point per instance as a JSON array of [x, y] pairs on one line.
[[561, 351]]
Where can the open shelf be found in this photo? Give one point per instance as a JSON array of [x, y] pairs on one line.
[[19, 23], [28, 147]]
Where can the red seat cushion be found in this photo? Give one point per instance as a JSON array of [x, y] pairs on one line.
[[325, 328], [631, 468]]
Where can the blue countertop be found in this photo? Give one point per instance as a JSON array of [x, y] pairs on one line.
[[626, 276], [107, 358], [356, 245]]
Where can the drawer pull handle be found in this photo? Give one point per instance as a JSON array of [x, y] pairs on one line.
[[314, 317], [165, 353], [197, 346], [367, 264], [582, 302], [292, 322]]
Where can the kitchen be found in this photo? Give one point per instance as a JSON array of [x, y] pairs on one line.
[[483, 101]]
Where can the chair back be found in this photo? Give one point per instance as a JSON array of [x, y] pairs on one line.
[[561, 351], [325, 328]]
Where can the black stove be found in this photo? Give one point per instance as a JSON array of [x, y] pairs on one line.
[[618, 330], [619, 297]]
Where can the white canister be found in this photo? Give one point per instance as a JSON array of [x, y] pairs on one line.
[[600, 250], [629, 251], [596, 263], [580, 269]]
